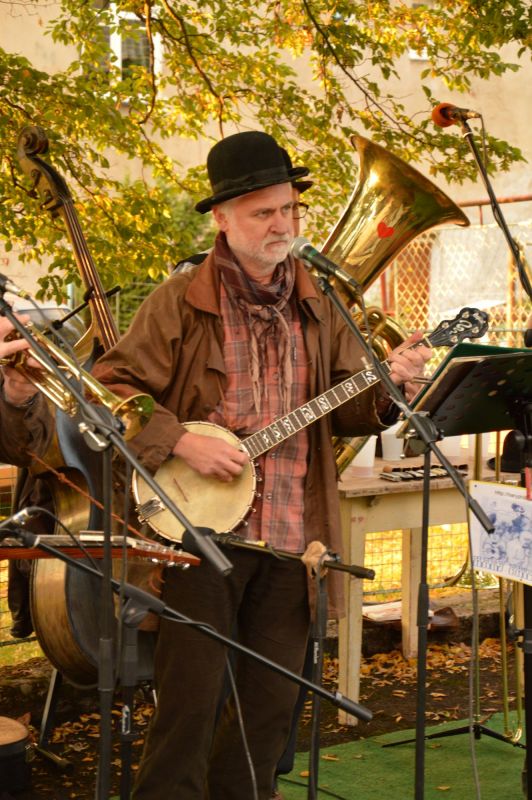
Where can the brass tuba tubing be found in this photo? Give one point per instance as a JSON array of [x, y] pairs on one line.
[[134, 412], [391, 204]]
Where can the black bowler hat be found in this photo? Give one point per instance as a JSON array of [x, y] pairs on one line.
[[511, 453], [245, 162]]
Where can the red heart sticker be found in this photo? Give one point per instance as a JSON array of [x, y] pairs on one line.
[[383, 231]]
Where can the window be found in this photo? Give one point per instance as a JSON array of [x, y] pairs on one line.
[[131, 46], [127, 41]]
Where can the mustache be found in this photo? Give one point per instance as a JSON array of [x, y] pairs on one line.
[[279, 240]]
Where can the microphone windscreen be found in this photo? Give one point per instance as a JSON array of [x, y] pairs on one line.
[[438, 115]]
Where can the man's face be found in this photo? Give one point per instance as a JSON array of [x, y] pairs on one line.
[[259, 227]]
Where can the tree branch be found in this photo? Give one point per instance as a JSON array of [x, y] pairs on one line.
[[180, 21], [370, 99], [153, 79]]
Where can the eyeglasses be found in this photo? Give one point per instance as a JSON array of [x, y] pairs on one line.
[[299, 210]]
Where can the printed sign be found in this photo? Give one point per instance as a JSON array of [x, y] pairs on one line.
[[507, 551]]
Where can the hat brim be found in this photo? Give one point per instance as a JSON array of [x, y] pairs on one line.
[[302, 186], [296, 172], [506, 465]]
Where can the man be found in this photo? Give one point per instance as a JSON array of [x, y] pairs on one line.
[[26, 425], [241, 340], [24, 418], [286, 761]]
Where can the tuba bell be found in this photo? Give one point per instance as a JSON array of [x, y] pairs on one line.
[[391, 204]]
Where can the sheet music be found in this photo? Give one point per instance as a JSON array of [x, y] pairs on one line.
[[507, 551]]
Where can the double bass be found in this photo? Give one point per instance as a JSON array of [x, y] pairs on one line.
[[62, 599]]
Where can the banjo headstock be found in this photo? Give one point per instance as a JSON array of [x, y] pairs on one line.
[[469, 323]]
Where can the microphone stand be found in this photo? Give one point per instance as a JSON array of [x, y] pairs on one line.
[[526, 643], [495, 207], [319, 629], [56, 324], [425, 431], [139, 603], [102, 431]]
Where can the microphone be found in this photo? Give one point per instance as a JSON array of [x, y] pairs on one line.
[[13, 525], [190, 543], [301, 248], [446, 114], [20, 518], [7, 285]]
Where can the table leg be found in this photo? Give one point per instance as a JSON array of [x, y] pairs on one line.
[[350, 626], [410, 577]]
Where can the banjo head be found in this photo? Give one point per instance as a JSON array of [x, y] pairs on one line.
[[205, 502]]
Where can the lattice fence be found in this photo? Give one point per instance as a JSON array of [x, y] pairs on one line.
[[446, 269], [7, 484], [439, 273]]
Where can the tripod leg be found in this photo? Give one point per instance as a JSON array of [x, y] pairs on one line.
[[47, 722], [318, 637], [54, 686]]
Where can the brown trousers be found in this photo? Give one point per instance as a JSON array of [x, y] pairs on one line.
[[192, 751]]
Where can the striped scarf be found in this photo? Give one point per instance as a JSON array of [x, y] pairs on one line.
[[266, 311]]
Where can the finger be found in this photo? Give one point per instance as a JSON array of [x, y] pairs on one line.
[[13, 346], [33, 364], [226, 475]]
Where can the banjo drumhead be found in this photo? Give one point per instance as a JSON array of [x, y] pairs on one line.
[[205, 502]]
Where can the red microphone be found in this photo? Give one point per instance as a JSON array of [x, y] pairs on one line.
[[446, 114]]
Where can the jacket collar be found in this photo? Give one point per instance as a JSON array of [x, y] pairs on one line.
[[204, 289]]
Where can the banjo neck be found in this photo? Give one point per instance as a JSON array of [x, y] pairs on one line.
[[281, 429], [470, 323]]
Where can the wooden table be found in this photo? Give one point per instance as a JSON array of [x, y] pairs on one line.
[[371, 504]]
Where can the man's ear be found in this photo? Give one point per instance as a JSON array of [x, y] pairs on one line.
[[220, 217]]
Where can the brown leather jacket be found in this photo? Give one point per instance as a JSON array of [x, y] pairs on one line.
[[174, 351], [23, 428]]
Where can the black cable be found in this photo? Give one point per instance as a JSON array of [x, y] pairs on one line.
[[325, 792], [240, 718], [238, 707]]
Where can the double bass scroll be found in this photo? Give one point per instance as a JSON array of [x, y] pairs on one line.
[[56, 198]]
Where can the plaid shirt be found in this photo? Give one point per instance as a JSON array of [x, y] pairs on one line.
[[277, 516]]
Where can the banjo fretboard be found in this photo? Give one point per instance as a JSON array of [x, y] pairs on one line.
[[276, 432]]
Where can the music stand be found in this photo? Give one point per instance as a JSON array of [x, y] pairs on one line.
[[476, 389]]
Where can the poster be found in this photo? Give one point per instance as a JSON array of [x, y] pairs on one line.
[[507, 552]]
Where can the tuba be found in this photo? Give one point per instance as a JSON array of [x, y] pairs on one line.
[[391, 204]]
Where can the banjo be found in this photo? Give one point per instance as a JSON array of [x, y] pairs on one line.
[[210, 503]]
